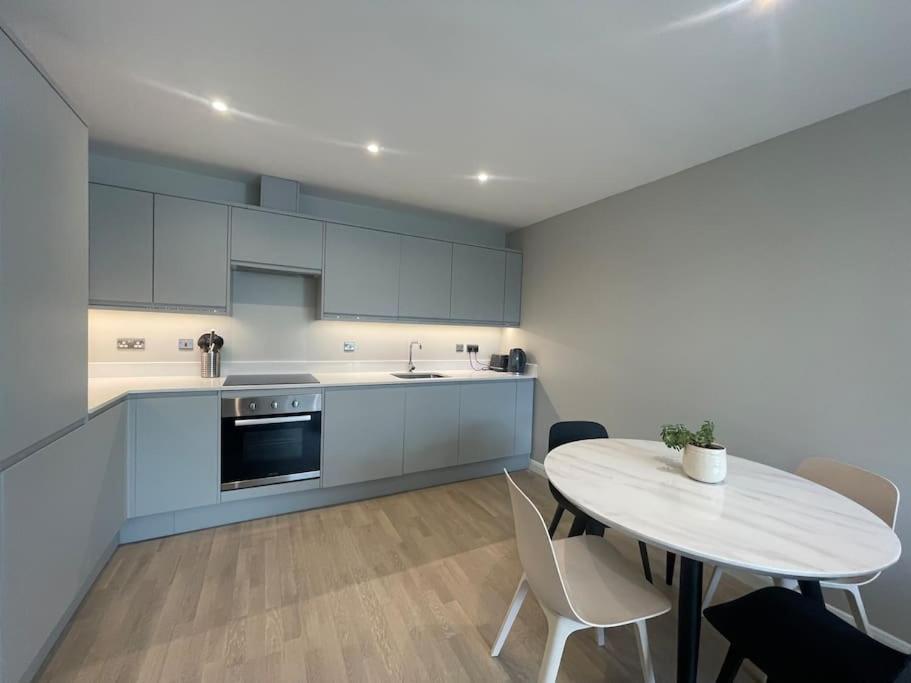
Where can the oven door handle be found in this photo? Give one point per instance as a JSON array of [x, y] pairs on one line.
[[271, 420]]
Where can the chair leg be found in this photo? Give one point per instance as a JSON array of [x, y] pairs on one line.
[[645, 655], [599, 636], [857, 609], [578, 527], [646, 565], [558, 630], [555, 522], [510, 618], [713, 586], [669, 569], [730, 667]]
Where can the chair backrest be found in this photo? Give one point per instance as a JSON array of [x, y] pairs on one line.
[[536, 553], [876, 493], [567, 432]]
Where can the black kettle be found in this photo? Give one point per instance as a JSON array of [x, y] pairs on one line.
[[517, 361]]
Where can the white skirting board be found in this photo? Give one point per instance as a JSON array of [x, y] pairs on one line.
[[754, 581]]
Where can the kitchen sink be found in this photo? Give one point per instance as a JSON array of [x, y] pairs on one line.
[[417, 375]]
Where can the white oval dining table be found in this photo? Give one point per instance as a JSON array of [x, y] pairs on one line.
[[760, 519]]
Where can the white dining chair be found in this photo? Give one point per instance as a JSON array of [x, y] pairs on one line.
[[876, 493], [580, 582]]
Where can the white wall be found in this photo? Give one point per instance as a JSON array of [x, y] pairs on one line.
[[274, 318], [769, 290]]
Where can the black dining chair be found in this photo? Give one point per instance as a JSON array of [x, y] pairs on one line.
[[793, 638], [580, 430]]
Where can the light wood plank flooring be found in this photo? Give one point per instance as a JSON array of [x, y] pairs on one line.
[[410, 587]]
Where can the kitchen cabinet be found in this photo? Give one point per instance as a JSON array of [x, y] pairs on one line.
[[363, 434], [361, 272], [191, 253], [431, 427], [512, 305], [43, 257], [120, 245], [274, 240], [478, 277], [425, 278], [175, 453], [60, 515], [487, 421]]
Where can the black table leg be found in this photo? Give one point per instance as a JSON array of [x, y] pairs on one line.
[[689, 619], [811, 589]]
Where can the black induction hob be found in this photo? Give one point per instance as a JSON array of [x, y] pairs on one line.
[[262, 380]]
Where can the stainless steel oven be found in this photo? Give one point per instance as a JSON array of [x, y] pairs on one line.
[[270, 439]]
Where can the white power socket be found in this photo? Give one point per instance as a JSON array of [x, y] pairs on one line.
[[185, 344], [349, 346]]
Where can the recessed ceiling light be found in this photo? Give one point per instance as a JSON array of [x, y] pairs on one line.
[[482, 177], [219, 106], [373, 148]]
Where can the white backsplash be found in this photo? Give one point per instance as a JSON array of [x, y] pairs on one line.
[[273, 327]]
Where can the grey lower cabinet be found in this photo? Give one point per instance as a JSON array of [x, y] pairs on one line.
[[363, 434], [120, 245], [431, 427], [512, 303], [191, 253], [487, 421], [61, 510], [261, 238], [478, 277], [361, 272], [425, 278], [175, 453]]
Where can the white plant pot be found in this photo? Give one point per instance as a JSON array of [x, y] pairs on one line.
[[709, 465]]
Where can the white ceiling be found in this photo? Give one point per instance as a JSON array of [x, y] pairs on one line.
[[562, 103]]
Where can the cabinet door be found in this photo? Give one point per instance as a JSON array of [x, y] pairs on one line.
[[487, 421], [431, 427], [425, 278], [62, 509], [120, 245], [512, 306], [361, 273], [478, 276], [273, 239], [175, 453], [191, 253], [43, 257], [363, 434]]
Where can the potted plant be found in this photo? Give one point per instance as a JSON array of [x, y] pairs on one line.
[[703, 459]]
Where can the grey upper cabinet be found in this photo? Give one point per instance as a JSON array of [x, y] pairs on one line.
[[512, 306], [120, 245], [175, 454], [361, 272], [478, 276], [261, 238], [191, 253], [487, 421], [43, 257], [363, 434], [425, 278], [431, 427]]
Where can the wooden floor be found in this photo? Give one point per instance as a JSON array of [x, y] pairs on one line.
[[410, 587]]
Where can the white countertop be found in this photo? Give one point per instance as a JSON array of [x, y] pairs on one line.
[[106, 391]]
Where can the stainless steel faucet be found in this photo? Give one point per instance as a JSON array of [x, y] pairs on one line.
[[410, 350]]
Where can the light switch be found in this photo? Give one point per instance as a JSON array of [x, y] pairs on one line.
[[349, 346]]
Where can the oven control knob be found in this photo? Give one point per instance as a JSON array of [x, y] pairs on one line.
[[295, 404], [274, 404], [252, 405]]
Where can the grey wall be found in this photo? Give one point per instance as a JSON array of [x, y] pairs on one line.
[[769, 290]]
